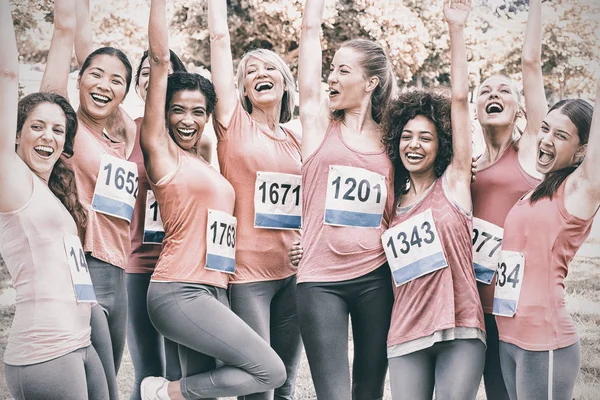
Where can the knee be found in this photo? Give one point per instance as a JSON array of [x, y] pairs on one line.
[[276, 371]]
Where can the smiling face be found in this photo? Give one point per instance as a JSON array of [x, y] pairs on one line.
[[497, 103], [418, 146], [558, 143], [187, 117], [42, 138], [102, 86], [347, 81], [263, 83]]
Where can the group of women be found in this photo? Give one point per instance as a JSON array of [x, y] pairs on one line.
[[114, 228]]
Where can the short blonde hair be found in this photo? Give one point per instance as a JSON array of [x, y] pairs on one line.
[[268, 57]]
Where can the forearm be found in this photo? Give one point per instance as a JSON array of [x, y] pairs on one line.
[[310, 57], [83, 34]]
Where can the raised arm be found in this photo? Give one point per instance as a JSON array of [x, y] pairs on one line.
[[58, 65], [582, 193], [160, 152], [313, 108], [83, 33], [14, 192], [221, 61], [536, 105], [459, 171]]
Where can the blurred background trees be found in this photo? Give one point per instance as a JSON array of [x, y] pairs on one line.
[[412, 32]]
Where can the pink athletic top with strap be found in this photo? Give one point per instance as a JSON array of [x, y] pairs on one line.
[[494, 192], [549, 237], [333, 253], [106, 237], [143, 257], [446, 298], [243, 149], [184, 197], [48, 322]]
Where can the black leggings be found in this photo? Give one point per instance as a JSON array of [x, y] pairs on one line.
[[495, 389], [323, 310]]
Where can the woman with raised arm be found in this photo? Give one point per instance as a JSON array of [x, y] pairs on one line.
[[261, 159], [40, 218], [505, 172], [539, 347], [106, 182], [347, 204], [187, 299], [437, 335]]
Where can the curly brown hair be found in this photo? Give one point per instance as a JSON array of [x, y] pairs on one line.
[[62, 179], [435, 106]]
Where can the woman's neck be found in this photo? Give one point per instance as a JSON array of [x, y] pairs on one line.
[[497, 140], [96, 126], [360, 121], [268, 118], [420, 183]]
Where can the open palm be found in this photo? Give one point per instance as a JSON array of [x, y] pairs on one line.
[[457, 11]]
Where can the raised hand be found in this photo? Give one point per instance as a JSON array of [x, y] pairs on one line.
[[456, 12]]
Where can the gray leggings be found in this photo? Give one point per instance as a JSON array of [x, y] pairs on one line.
[[74, 376], [270, 309], [109, 318], [547, 375], [454, 368], [198, 318], [495, 389], [151, 354]]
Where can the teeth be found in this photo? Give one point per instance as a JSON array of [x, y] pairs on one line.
[[494, 108], [263, 86], [545, 157], [414, 156], [186, 132], [332, 91], [100, 97], [44, 149]]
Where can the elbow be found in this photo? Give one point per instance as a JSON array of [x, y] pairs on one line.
[[160, 58], [218, 35], [311, 28], [460, 98], [9, 72], [531, 61]]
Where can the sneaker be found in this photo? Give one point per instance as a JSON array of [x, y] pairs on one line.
[[154, 388]]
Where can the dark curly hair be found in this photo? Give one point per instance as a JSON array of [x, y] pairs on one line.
[[435, 106], [62, 179]]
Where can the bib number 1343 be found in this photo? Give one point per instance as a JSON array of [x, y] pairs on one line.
[[509, 279], [413, 248], [220, 241], [355, 197]]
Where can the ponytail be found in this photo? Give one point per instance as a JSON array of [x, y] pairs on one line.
[[62, 184]]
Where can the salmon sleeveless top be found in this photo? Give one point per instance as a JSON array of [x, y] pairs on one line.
[[243, 149], [334, 253], [143, 257], [48, 322], [496, 189], [444, 299], [106, 237], [548, 236], [184, 197]]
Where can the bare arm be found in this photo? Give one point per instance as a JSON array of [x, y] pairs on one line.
[[13, 172], [582, 193], [160, 152], [221, 61], [313, 111], [58, 65], [83, 34], [459, 171]]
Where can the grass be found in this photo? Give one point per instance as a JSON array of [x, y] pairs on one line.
[[583, 302]]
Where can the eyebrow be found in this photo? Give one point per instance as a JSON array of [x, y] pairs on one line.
[[45, 123], [408, 130], [193, 109], [544, 123], [101, 70]]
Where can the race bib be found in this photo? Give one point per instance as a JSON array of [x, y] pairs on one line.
[[116, 187], [220, 242], [487, 242], [277, 201], [80, 275], [509, 278], [413, 248], [154, 232], [355, 197]]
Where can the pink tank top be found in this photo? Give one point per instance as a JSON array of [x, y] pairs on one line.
[[184, 197], [446, 298], [496, 189], [143, 257], [106, 237], [48, 322], [548, 236], [244, 149], [334, 253]]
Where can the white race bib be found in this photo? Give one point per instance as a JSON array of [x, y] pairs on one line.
[[355, 197], [277, 201], [116, 187], [413, 248], [509, 279], [487, 242], [154, 232], [220, 241], [80, 275]]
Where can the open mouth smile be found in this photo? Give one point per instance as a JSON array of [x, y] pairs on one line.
[[263, 86], [186, 133], [494, 108], [98, 98], [44, 151], [545, 157]]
